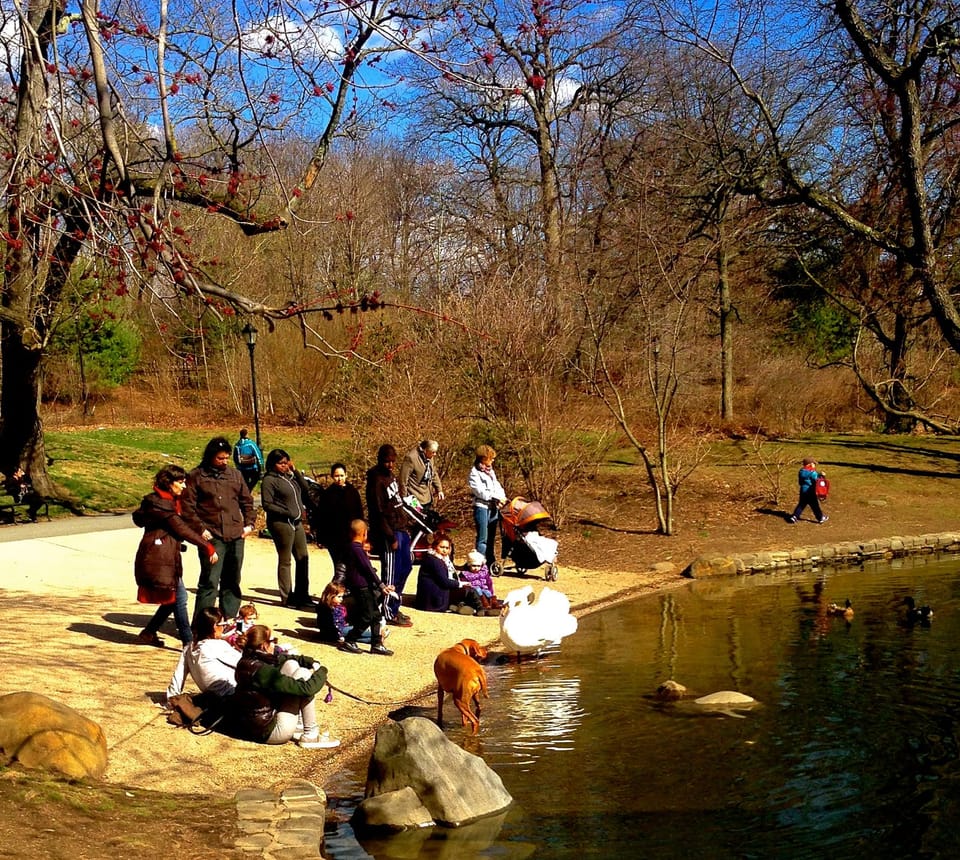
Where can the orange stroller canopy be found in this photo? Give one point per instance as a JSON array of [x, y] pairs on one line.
[[520, 514]]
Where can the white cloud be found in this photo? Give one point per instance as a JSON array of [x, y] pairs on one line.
[[280, 36]]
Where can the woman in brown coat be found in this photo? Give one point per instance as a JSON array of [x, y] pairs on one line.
[[158, 567]]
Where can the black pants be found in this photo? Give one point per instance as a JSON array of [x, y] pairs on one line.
[[809, 497], [366, 613]]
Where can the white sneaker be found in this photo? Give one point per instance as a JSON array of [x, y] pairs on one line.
[[318, 741]]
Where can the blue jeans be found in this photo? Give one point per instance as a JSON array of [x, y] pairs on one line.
[[219, 583], [179, 610], [486, 523]]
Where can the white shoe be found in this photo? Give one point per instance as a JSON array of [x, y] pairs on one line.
[[318, 741]]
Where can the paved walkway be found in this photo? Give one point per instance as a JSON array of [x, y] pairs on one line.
[[285, 825]]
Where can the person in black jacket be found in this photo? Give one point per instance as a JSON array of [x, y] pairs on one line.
[[388, 529], [339, 505], [158, 567], [367, 591], [275, 692]]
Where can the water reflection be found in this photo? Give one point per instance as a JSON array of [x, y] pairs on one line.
[[855, 748], [544, 716]]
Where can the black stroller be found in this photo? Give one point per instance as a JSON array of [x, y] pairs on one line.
[[424, 522], [522, 541]]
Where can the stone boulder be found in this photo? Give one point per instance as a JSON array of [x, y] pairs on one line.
[[395, 810], [47, 735], [705, 565], [453, 785]]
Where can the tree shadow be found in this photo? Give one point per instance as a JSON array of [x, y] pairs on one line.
[[894, 448], [586, 521]]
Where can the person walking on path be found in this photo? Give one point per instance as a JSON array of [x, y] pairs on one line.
[[388, 524], [248, 458], [282, 493], [807, 478], [418, 476], [158, 567], [217, 503]]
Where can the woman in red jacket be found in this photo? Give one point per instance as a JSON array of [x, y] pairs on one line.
[[158, 567]]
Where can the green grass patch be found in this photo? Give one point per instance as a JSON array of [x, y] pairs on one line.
[[110, 469]]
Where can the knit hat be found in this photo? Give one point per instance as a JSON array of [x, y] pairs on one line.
[[476, 558]]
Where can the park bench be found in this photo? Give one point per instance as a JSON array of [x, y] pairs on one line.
[[9, 509]]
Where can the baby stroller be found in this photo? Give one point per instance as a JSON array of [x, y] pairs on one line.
[[522, 541], [424, 522]]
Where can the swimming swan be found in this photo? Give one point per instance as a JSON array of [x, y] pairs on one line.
[[528, 624]]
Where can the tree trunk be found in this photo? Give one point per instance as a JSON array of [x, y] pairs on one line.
[[899, 396], [726, 336], [21, 432]]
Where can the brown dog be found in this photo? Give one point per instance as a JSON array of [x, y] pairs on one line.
[[459, 674]]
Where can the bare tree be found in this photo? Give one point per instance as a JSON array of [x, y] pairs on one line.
[[853, 117], [515, 76], [119, 120]]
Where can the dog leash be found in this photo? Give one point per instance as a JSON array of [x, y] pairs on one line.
[[329, 697]]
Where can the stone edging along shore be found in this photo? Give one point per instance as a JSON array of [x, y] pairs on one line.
[[845, 553]]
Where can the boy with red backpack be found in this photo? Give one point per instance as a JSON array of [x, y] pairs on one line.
[[813, 486]]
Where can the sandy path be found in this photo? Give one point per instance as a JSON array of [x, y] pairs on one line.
[[70, 621]]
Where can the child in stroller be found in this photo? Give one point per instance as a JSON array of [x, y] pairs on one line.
[[522, 541]]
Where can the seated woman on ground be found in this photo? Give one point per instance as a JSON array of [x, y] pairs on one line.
[[210, 659], [275, 693], [332, 621], [437, 584]]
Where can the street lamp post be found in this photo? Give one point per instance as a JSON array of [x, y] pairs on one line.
[[250, 333]]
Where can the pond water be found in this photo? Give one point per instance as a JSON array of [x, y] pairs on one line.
[[854, 747]]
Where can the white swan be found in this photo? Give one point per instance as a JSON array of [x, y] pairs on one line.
[[528, 624]]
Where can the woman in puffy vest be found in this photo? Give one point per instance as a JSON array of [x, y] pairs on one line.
[[158, 568], [274, 701]]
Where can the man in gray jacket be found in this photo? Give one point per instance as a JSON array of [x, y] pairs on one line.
[[418, 477]]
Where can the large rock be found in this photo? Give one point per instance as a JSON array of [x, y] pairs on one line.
[[454, 786], [47, 735], [705, 565], [395, 810]]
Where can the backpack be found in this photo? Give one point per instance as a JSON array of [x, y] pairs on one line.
[[200, 713], [245, 456], [822, 488]]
